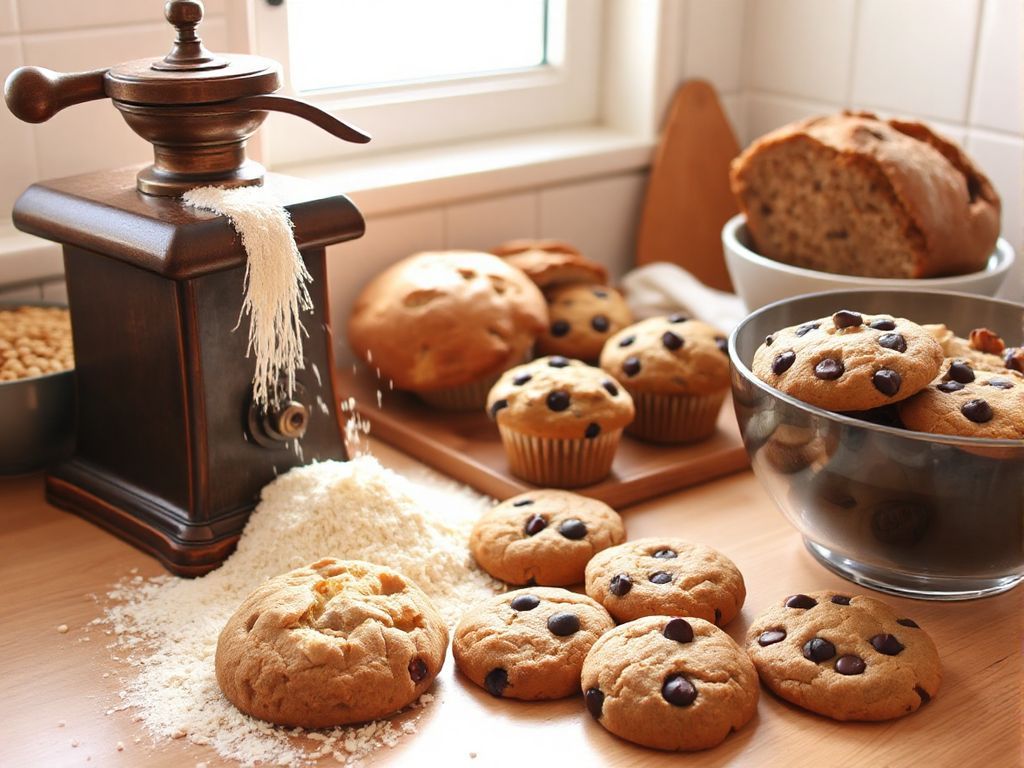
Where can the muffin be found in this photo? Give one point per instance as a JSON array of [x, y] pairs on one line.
[[560, 421], [581, 318], [444, 325], [551, 262], [677, 371]]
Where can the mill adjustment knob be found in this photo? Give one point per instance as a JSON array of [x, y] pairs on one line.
[[289, 420]]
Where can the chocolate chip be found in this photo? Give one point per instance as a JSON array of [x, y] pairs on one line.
[[829, 369], [625, 341], [771, 636], [558, 400], [723, 344], [496, 682], [557, 361], [595, 702], [610, 388], [1013, 358], [524, 602], [949, 386], [521, 379], [800, 601], [783, 362], [631, 366], [559, 328], [977, 410], [907, 623], [999, 383], [417, 669], [806, 328], [599, 323], [886, 381], [818, 649], [678, 317], [850, 665], [497, 406], [660, 577], [844, 318], [564, 624], [665, 554], [671, 340], [600, 293], [620, 584], [534, 525], [887, 644], [593, 430], [573, 529], [894, 341], [522, 502], [883, 324], [925, 696], [769, 340], [678, 630], [841, 599], [960, 371], [718, 616], [678, 691]]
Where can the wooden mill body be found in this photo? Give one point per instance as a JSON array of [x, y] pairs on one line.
[[166, 456]]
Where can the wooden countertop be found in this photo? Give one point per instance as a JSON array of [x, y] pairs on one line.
[[51, 562]]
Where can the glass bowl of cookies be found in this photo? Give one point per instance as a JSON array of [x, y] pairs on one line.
[[37, 388], [888, 427]]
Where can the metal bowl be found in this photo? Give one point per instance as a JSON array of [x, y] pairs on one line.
[[37, 416], [914, 514]]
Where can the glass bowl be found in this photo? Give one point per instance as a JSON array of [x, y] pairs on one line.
[[914, 514]]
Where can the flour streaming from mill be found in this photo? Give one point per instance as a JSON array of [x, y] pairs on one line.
[[349, 510]]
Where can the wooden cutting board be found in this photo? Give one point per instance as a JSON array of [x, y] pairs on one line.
[[688, 198]]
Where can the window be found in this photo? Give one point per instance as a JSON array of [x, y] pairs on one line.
[[412, 72]]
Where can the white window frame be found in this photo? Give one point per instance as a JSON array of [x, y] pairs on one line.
[[565, 92]]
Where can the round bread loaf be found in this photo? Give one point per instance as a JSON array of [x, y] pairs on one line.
[[443, 319], [551, 262], [851, 194]]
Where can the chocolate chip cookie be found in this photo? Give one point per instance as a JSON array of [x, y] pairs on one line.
[[968, 402], [544, 537], [846, 657], [666, 576], [529, 644], [581, 318], [336, 642], [850, 361], [670, 683]]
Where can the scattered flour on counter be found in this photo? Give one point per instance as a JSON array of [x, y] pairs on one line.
[[350, 510]]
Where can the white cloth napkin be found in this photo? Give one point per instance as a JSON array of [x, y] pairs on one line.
[[662, 288], [274, 289]]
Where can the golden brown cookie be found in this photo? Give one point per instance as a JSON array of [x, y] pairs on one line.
[[670, 683], [336, 642], [551, 262], [544, 537], [666, 576], [529, 644], [850, 361], [846, 657], [582, 317]]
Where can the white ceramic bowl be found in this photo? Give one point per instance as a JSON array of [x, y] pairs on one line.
[[759, 280]]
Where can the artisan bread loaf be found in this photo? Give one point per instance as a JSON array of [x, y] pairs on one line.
[[856, 195], [446, 318], [551, 262]]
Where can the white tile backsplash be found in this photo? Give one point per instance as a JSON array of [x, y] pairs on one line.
[[56, 291], [8, 17], [483, 224], [801, 47], [996, 100], [713, 48], [767, 112], [40, 15], [915, 56], [27, 293], [17, 144]]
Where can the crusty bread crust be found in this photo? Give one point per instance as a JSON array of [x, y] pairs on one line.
[[551, 262]]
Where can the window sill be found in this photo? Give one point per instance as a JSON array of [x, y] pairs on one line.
[[422, 178]]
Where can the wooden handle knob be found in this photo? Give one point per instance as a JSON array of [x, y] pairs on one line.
[[35, 94]]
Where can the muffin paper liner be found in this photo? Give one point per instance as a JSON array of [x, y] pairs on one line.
[[675, 418], [558, 463]]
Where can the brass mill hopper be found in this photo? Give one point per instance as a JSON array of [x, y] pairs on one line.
[[171, 452]]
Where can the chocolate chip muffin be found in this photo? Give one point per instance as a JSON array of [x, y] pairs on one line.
[[677, 371], [544, 537], [551, 262], [850, 361], [444, 325], [666, 576], [529, 644], [582, 317], [339, 641], [670, 683], [560, 421], [845, 657]]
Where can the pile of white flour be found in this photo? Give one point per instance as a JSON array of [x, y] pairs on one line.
[[349, 510]]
